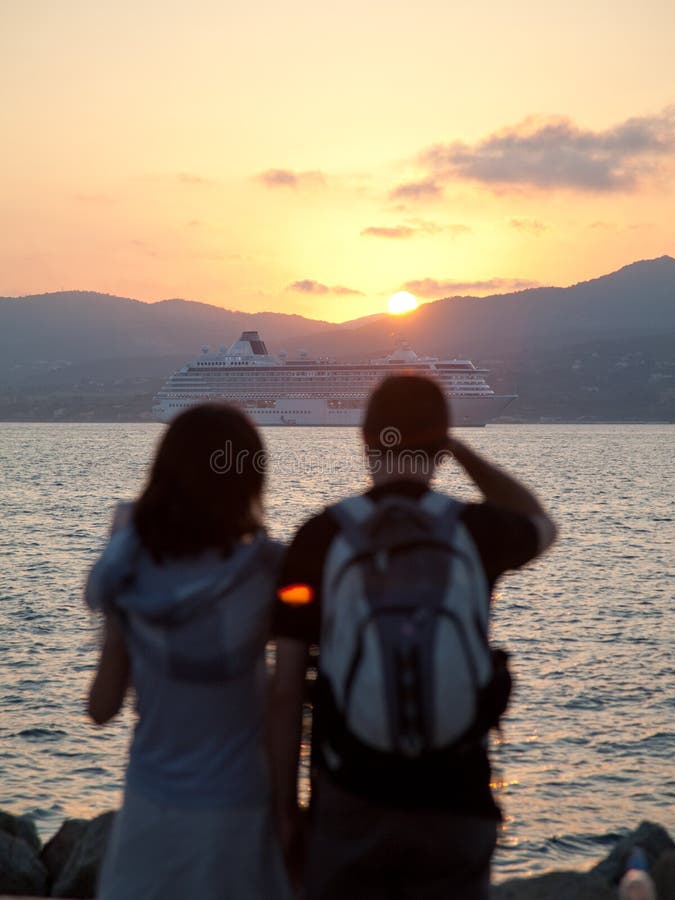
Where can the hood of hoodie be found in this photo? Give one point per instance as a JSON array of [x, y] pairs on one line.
[[127, 580]]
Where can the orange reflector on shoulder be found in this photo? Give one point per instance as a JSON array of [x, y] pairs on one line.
[[296, 594]]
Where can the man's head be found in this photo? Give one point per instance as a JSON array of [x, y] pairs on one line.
[[407, 420]]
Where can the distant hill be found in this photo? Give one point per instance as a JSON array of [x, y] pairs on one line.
[[597, 351], [38, 333], [637, 301]]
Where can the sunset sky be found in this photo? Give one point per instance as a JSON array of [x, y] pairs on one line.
[[314, 158]]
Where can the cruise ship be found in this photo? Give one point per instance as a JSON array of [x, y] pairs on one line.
[[279, 391]]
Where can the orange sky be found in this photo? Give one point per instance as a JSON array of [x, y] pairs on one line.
[[315, 158]]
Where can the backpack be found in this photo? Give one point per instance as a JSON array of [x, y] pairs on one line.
[[405, 665]]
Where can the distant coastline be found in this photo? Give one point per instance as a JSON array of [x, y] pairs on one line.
[[511, 422], [600, 351]]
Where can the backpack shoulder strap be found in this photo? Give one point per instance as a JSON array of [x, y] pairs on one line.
[[445, 509]]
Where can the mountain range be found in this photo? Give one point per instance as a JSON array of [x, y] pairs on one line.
[[599, 350]]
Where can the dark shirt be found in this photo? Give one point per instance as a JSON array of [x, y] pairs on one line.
[[504, 540]]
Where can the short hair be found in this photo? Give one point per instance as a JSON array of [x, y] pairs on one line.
[[204, 485], [407, 412]]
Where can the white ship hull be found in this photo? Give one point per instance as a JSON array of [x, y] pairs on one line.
[[464, 411], [278, 391]]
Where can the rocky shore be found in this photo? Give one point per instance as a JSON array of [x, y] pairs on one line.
[[600, 883], [67, 865]]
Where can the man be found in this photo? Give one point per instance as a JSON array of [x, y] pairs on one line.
[[428, 832]]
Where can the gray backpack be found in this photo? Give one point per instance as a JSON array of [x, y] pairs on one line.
[[404, 656]]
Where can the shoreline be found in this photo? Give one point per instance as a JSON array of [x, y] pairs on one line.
[[510, 424], [67, 864]]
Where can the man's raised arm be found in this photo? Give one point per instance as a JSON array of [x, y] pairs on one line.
[[502, 489]]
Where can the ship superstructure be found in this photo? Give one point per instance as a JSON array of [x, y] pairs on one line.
[[275, 390]]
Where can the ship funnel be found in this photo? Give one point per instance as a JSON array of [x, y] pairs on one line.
[[249, 344], [257, 345]]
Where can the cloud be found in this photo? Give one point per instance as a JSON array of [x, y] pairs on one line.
[[308, 286], [341, 291], [455, 229], [412, 228], [397, 232], [549, 152], [532, 226], [417, 191], [431, 288], [285, 178]]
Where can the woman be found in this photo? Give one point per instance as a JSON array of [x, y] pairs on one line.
[[186, 584]]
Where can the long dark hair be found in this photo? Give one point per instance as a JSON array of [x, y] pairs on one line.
[[205, 484]]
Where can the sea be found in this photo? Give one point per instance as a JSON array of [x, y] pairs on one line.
[[586, 750]]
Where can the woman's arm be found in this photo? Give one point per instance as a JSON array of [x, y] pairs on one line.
[[111, 680]]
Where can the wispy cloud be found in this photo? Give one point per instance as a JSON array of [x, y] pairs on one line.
[[417, 191], [532, 226], [341, 291], [432, 288], [424, 226], [396, 233], [547, 152], [413, 228], [286, 178], [308, 286]]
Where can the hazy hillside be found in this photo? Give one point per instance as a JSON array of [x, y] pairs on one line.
[[600, 350], [45, 331], [637, 301]]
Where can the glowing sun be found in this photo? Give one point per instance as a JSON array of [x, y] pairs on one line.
[[401, 302]]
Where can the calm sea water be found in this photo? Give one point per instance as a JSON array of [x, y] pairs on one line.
[[587, 747]]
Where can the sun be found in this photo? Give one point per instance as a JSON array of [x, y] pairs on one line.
[[401, 302]]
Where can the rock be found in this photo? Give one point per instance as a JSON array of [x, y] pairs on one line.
[[57, 850], [664, 876], [21, 872], [20, 826], [79, 875], [653, 839], [554, 886]]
